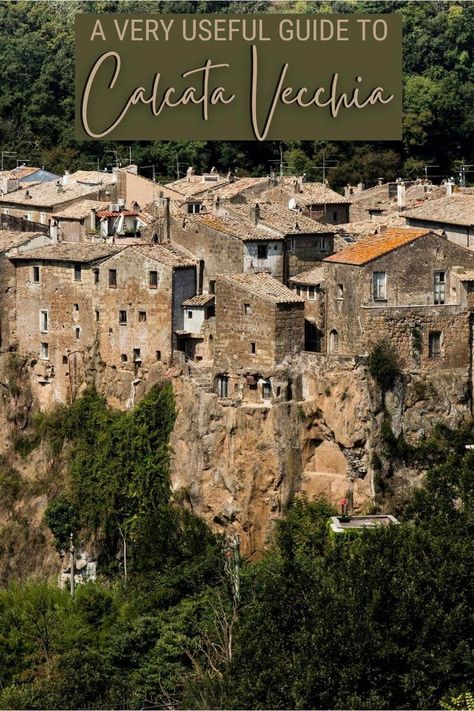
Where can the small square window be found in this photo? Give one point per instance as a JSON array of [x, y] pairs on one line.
[[36, 275], [212, 286], [253, 347], [77, 272], [123, 358], [123, 318], [142, 316], [77, 333], [112, 278], [153, 280], [311, 293], [44, 351], [64, 359], [190, 314], [158, 355], [76, 307], [96, 276], [137, 355], [247, 309]]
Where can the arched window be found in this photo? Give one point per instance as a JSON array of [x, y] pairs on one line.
[[333, 342]]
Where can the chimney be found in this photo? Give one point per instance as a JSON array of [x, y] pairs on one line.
[[254, 214], [167, 220], [400, 195], [66, 177], [189, 173], [93, 219], [449, 187], [379, 181]]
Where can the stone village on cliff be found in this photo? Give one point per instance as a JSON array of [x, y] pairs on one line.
[[252, 294]]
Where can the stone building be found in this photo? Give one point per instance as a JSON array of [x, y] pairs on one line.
[[310, 286], [452, 215], [196, 338], [404, 286], [259, 322], [80, 305], [315, 200], [78, 222]]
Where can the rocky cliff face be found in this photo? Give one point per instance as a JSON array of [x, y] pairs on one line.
[[241, 463]]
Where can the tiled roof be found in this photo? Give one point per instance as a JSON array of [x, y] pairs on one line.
[[171, 255], [230, 225], [369, 248], [240, 185], [196, 184], [80, 210], [48, 194], [199, 300], [265, 286], [457, 209], [282, 219], [312, 193], [23, 171], [313, 276], [114, 213], [8, 239], [82, 253], [92, 177]]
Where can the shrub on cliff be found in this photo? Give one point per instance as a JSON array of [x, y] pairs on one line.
[[384, 365]]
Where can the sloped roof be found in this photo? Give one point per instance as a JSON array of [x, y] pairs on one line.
[[82, 253], [312, 193], [199, 300], [231, 225], [282, 219], [80, 210], [9, 239], [369, 248], [48, 194], [264, 285], [240, 185], [310, 277], [456, 209], [171, 255], [196, 184]]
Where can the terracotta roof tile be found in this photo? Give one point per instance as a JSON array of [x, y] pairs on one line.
[[231, 225], [171, 255], [369, 248], [312, 193], [265, 286], [199, 300], [282, 219]]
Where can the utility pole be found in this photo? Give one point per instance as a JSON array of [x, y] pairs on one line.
[[72, 581]]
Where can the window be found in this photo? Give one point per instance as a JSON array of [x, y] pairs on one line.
[[153, 280], [212, 286], [77, 272], [43, 321], [434, 344], [379, 282], [291, 244], [123, 318], [262, 251], [64, 359], [137, 358], [333, 342], [266, 390], [247, 309], [36, 275], [76, 308], [44, 351], [253, 347], [43, 218], [334, 217], [298, 290], [123, 358], [323, 244], [439, 287], [77, 332], [97, 314], [190, 314], [194, 208], [223, 386], [340, 291], [158, 355], [96, 276], [112, 278], [312, 337], [142, 316], [311, 293]]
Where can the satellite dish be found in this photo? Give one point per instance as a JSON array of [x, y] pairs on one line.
[[292, 203]]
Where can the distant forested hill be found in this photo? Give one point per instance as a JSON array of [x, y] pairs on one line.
[[37, 101]]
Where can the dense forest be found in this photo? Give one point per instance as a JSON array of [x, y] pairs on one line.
[[37, 104], [380, 619]]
